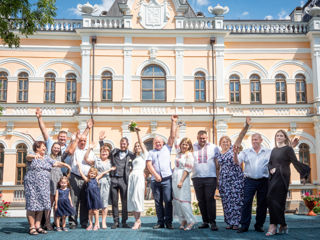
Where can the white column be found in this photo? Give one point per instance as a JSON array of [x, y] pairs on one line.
[[222, 128], [219, 70], [127, 53], [317, 134], [85, 66], [125, 131], [179, 76], [316, 74]]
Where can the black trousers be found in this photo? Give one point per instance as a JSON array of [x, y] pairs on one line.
[[205, 189], [118, 185], [251, 187]]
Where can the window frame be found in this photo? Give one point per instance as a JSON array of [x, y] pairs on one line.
[[200, 78], [21, 167], [50, 91], [106, 78], [285, 90], [69, 79], [255, 80], [153, 78], [3, 90], [2, 155], [304, 149], [23, 90], [233, 80], [297, 80]]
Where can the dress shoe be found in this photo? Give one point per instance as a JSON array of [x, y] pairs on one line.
[[157, 226], [84, 226], [258, 229], [204, 225], [73, 226], [214, 227], [115, 225], [242, 230], [125, 225], [169, 226]]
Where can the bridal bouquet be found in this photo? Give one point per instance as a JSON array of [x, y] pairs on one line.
[[132, 126]]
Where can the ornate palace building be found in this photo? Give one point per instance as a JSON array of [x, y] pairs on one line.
[[155, 58]]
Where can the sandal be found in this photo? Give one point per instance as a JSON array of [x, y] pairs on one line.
[[65, 229], [229, 227], [89, 228], [48, 227], [235, 227], [41, 230], [58, 229], [95, 228], [33, 231], [268, 234], [189, 227]]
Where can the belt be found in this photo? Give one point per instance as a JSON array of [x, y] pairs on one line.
[[256, 179]]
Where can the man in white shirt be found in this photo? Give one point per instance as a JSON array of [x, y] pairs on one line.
[[256, 174], [204, 179]]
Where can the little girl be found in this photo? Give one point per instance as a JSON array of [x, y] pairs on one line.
[[93, 194], [63, 203]]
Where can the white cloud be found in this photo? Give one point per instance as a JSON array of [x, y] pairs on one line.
[[104, 6], [74, 11], [245, 14], [203, 2], [269, 17], [283, 15]]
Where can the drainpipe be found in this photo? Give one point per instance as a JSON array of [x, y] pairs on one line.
[[93, 42], [212, 42]]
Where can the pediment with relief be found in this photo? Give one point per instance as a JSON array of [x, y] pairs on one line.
[[153, 15]]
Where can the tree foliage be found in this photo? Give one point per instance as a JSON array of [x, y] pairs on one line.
[[22, 17]]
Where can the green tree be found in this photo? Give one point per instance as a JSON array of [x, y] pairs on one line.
[[22, 17]]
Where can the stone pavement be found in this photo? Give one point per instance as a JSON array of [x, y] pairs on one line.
[[300, 227]]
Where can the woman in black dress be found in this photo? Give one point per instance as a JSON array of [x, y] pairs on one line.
[[279, 167]]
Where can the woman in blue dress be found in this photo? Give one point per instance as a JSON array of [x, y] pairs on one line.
[[93, 194], [231, 179]]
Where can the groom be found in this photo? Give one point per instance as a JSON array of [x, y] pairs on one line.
[[122, 159]]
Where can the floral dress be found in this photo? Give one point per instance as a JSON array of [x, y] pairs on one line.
[[231, 182], [37, 184]]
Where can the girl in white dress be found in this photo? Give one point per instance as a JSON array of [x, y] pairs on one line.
[[181, 185], [136, 183]]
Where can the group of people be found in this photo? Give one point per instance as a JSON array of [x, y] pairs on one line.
[[87, 183]]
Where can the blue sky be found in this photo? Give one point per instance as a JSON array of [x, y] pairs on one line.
[[239, 9]]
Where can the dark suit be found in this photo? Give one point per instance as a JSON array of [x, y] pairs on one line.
[[119, 182]]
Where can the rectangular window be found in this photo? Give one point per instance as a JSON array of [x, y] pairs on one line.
[[50, 85], [3, 89], [22, 90], [153, 89], [234, 91], [71, 94], [255, 92], [301, 92], [281, 92], [107, 89]]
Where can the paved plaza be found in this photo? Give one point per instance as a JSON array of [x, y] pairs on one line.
[[300, 227]]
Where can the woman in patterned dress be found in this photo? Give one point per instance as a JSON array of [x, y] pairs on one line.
[[37, 185], [231, 179]]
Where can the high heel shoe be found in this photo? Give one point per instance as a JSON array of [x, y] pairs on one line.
[[136, 226], [189, 227], [283, 230]]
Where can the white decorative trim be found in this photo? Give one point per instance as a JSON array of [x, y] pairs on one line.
[[267, 50], [307, 76], [310, 144], [244, 81], [42, 48], [109, 69], [12, 79], [4, 144], [65, 73], [16, 143], [5, 70], [49, 70], [22, 62], [289, 62], [23, 70], [44, 66], [254, 72], [8, 151], [268, 81], [36, 79], [153, 61], [228, 75], [205, 71], [250, 63], [273, 76], [308, 139]]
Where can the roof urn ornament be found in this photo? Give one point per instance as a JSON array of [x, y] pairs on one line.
[[218, 10], [87, 8], [314, 11]]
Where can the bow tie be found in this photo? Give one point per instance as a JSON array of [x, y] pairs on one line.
[[123, 151]]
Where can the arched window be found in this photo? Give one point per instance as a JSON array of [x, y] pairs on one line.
[[281, 89], [106, 94], [71, 88], [1, 162], [21, 163], [301, 95], [23, 87], [153, 84], [234, 88], [200, 87], [3, 86], [304, 156], [255, 89], [50, 87]]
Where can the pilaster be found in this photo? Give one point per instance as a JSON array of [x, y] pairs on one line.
[[317, 136], [219, 69], [127, 55], [222, 128], [85, 66], [179, 76]]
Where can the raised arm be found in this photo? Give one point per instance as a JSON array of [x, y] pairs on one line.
[[242, 133], [102, 136], [89, 126], [143, 147], [61, 165], [86, 156], [172, 136], [85, 178], [73, 145], [42, 126], [105, 172], [30, 157]]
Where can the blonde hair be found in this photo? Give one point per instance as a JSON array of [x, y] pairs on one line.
[[188, 141], [93, 169], [224, 137], [287, 141]]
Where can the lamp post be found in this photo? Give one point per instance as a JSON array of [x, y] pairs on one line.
[[212, 42], [93, 42]]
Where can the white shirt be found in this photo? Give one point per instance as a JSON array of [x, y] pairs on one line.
[[78, 156], [256, 164], [204, 164]]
